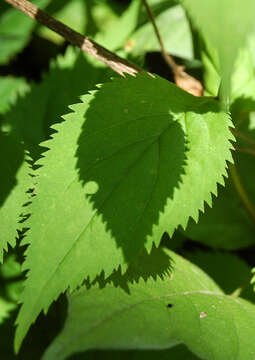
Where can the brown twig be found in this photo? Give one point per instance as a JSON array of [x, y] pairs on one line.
[[116, 63], [182, 79]]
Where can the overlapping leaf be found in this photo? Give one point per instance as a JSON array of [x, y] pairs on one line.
[[33, 115], [174, 30], [28, 123], [72, 13], [15, 29], [115, 37], [226, 225], [232, 273], [135, 159], [186, 307], [15, 181], [10, 88], [226, 33]]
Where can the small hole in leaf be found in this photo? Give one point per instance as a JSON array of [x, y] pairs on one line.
[[169, 306]]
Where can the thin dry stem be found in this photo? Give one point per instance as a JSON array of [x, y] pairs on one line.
[[182, 79], [116, 63], [237, 133], [246, 150], [247, 203]]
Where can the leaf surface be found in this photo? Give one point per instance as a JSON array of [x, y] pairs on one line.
[[5, 309], [10, 88], [226, 34], [116, 35], [119, 175], [15, 29], [14, 183], [175, 32], [186, 307], [232, 273], [29, 123], [226, 225], [72, 13]]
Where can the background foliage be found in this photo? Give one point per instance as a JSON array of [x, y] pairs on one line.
[[132, 211]]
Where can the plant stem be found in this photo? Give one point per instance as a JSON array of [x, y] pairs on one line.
[[241, 191], [116, 63], [182, 79], [168, 58], [242, 136], [246, 150]]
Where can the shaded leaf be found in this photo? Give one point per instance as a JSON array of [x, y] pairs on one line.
[[116, 35], [186, 307], [10, 88], [179, 352], [29, 122], [175, 32], [15, 30], [119, 175], [5, 308], [226, 225], [72, 13], [232, 273], [69, 76], [13, 184]]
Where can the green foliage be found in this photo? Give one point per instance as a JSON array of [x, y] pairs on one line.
[[174, 29], [183, 307], [139, 161], [117, 34], [15, 30], [96, 205], [10, 88], [225, 33], [14, 184], [69, 12]]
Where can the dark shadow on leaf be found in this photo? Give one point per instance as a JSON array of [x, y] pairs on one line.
[[155, 265], [11, 158], [133, 149], [179, 352], [241, 108], [33, 114]]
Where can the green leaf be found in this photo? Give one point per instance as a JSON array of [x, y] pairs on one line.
[[175, 32], [242, 78], [243, 85], [13, 184], [118, 33], [11, 278], [119, 175], [186, 307], [72, 13], [226, 33], [5, 308], [232, 273], [10, 88], [25, 123], [15, 30], [103, 14], [226, 225], [68, 77]]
